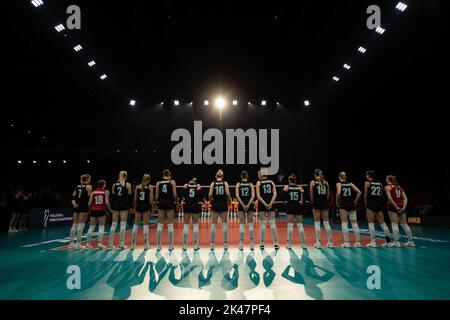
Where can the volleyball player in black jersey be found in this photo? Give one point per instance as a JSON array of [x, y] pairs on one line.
[[245, 194], [219, 194], [120, 206], [192, 196], [319, 191], [266, 193], [374, 201], [166, 201], [347, 197], [80, 199], [143, 199], [293, 199]]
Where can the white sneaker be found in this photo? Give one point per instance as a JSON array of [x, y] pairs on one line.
[[330, 245], [196, 247], [317, 245], [15, 230], [357, 245], [71, 246], [410, 244], [397, 244], [101, 246], [345, 245], [388, 244], [372, 244], [110, 246], [122, 246], [88, 246], [78, 246]]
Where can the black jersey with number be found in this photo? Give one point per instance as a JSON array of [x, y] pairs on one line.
[[245, 191], [81, 195], [120, 192], [347, 196], [143, 199], [266, 190], [192, 195], [165, 191], [293, 194], [219, 197], [375, 198], [320, 196]]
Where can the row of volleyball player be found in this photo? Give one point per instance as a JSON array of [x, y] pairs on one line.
[[165, 198]]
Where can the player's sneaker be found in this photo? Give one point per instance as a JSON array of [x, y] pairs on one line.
[[276, 246], [122, 246], [317, 245], [225, 246], [71, 246], [184, 247], [288, 246], [196, 247], [88, 245], [410, 244], [330, 245], [146, 246], [101, 246], [171, 248], [110, 246], [345, 245], [261, 246], [212, 246], [158, 248], [397, 244], [252, 246], [372, 244], [132, 246], [357, 245], [303, 245], [241, 245], [387, 244]]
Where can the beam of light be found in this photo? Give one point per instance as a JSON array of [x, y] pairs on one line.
[[77, 48], [132, 102], [103, 76], [206, 102], [347, 67], [91, 63], [264, 103], [235, 102], [306, 102], [380, 30], [335, 78], [362, 50], [176, 103]]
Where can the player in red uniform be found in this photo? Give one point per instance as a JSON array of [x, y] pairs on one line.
[[98, 205], [397, 203]]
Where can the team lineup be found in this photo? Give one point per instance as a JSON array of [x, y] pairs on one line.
[[164, 197]]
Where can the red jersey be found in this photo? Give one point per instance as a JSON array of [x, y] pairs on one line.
[[98, 200], [397, 195]]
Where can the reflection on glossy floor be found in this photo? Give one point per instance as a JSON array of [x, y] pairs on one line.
[[31, 268]]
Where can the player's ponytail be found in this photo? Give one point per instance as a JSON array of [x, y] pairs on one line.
[[219, 174], [123, 176], [145, 181], [343, 176], [319, 176], [392, 180], [371, 174], [84, 178], [244, 175]]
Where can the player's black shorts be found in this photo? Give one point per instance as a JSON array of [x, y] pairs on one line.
[[294, 208], [192, 207], [375, 206], [98, 214], [245, 201], [348, 205], [166, 205], [220, 206], [83, 207], [143, 207], [320, 205], [120, 205]]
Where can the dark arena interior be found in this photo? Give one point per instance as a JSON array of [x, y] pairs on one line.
[[102, 88]]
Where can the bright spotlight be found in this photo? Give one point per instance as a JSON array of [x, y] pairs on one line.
[[206, 102], [220, 102], [64, 161], [77, 48], [91, 63], [49, 162], [335, 78], [306, 102], [380, 30], [235, 102], [132, 102], [59, 27], [19, 161], [264, 103], [88, 161], [37, 3], [176, 103], [401, 6], [34, 162], [362, 50], [347, 67], [103, 76]]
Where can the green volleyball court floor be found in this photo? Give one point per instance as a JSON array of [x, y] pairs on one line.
[[34, 265]]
